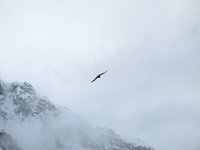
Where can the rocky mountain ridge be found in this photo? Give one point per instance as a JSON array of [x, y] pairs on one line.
[[20, 101]]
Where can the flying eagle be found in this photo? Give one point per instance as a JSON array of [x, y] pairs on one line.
[[98, 76]]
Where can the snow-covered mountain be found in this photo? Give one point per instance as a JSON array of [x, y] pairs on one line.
[[20, 100], [36, 123]]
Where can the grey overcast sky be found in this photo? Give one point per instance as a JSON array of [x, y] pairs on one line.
[[151, 49]]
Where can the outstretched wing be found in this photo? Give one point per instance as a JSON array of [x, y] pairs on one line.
[[94, 79], [102, 73]]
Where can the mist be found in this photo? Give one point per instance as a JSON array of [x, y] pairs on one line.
[[150, 49], [63, 132]]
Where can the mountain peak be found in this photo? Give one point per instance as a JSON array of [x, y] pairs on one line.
[[24, 110], [20, 100]]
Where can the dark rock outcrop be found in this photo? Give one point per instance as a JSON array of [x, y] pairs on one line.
[[7, 142], [1, 89]]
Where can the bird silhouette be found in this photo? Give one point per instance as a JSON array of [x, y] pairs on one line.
[[98, 76]]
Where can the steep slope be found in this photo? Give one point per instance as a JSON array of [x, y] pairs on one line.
[[45, 126]]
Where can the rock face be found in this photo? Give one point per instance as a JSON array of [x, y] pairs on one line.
[[7, 143], [1, 90], [20, 101]]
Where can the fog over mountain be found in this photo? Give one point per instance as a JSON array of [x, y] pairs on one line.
[[7, 143], [34, 122]]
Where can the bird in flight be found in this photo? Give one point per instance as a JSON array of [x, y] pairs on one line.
[[98, 76]]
